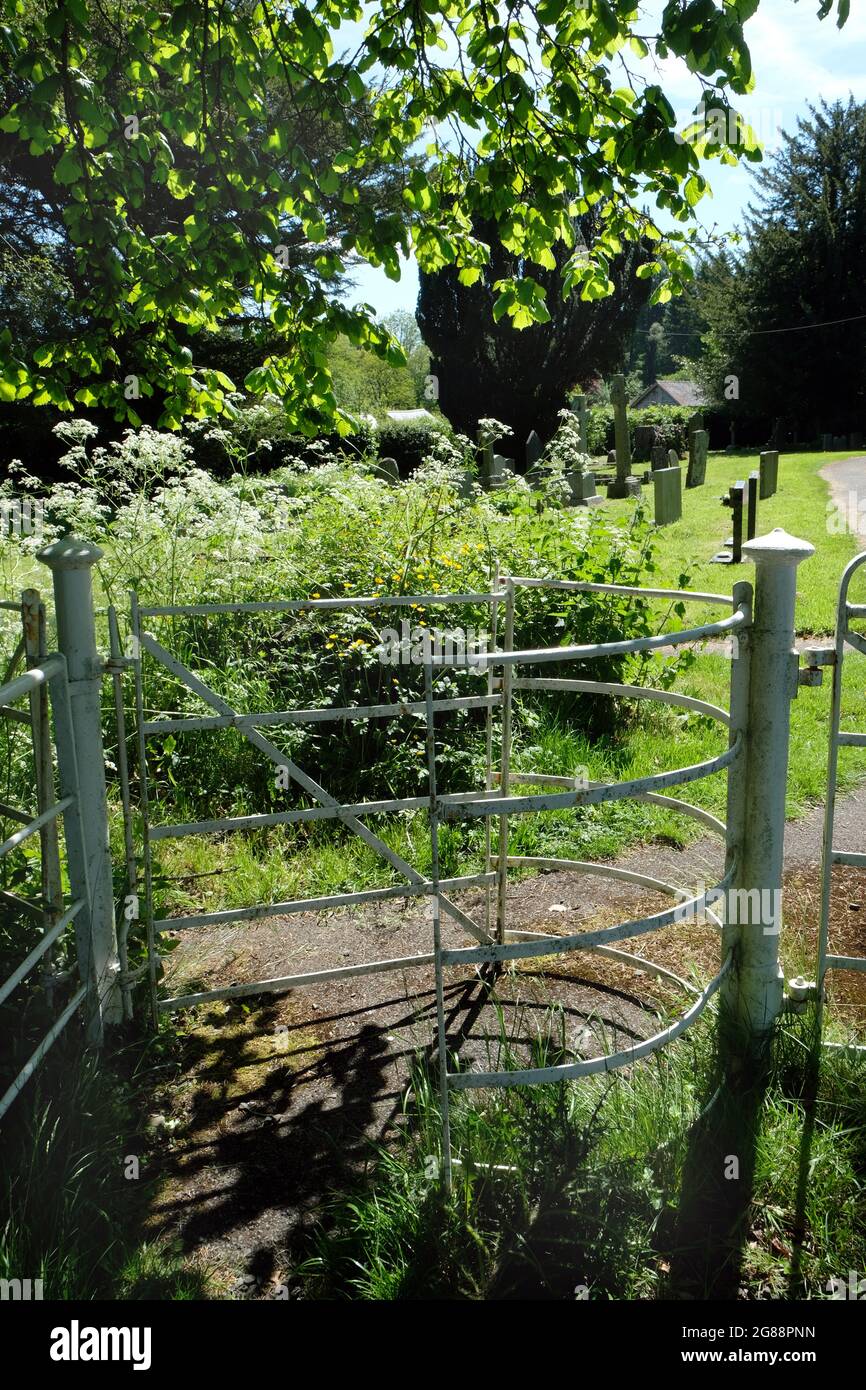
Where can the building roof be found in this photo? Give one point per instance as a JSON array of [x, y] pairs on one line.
[[680, 392]]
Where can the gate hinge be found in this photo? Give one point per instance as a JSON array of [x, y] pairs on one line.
[[113, 664], [814, 658]]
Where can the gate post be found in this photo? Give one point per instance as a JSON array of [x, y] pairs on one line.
[[751, 995], [71, 562]]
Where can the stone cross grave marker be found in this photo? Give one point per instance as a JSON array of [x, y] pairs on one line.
[[618, 487]]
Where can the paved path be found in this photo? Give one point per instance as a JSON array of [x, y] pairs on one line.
[[847, 480]]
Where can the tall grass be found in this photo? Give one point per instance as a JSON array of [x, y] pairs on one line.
[[71, 1205], [590, 1189]]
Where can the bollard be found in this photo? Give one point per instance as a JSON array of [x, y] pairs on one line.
[[763, 683], [71, 562]]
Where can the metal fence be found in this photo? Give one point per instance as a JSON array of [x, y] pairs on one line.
[[44, 685], [758, 634], [846, 636], [754, 757]]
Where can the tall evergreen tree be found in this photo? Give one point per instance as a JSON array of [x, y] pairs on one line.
[[788, 319]]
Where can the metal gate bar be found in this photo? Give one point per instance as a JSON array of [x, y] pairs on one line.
[[49, 674], [329, 807], [845, 636]]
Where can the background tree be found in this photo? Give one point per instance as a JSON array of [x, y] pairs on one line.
[[531, 117], [787, 318], [486, 367]]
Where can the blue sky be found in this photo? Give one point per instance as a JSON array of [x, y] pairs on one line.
[[797, 59]]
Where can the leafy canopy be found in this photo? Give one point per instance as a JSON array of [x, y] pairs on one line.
[[531, 113]]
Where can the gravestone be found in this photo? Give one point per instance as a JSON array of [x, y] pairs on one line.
[[668, 498], [644, 439], [769, 473], [658, 457], [583, 492], [826, 442], [632, 486], [699, 443], [856, 440], [465, 485], [387, 468], [735, 500], [752, 505], [618, 487], [502, 467], [534, 450], [578, 408], [673, 458]]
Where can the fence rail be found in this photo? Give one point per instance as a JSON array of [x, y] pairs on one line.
[[47, 678], [755, 730], [508, 670]]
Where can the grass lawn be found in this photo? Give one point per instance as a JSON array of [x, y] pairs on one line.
[[800, 506], [651, 739]]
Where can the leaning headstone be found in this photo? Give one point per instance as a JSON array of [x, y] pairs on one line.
[[388, 469], [622, 446], [658, 456], [668, 485], [769, 472], [699, 443], [534, 450], [673, 458], [501, 468]]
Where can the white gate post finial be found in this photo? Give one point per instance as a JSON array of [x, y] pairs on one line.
[[71, 562], [752, 993]]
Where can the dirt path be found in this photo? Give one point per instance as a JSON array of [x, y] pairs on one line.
[[278, 1099]]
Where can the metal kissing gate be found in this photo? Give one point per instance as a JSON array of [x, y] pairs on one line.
[[839, 738], [764, 678]]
